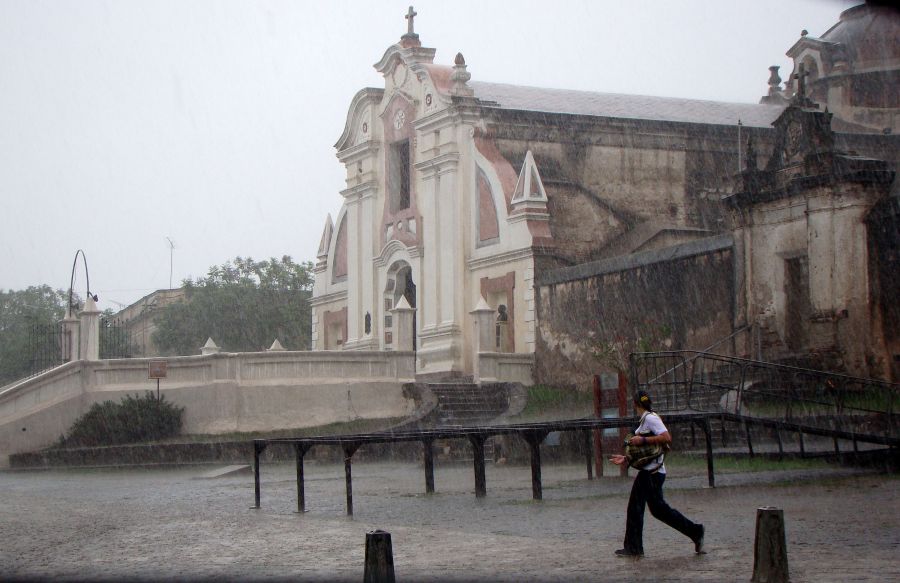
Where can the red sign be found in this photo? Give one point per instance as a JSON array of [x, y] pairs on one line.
[[157, 369]]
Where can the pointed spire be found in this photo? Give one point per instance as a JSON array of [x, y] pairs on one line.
[[529, 187], [276, 346], [209, 348], [325, 242]]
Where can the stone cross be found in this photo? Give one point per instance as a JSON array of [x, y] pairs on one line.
[[801, 76], [409, 16]]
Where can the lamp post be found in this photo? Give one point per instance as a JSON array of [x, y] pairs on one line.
[[82, 332]]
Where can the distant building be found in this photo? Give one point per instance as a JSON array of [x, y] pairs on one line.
[[139, 319], [588, 215]]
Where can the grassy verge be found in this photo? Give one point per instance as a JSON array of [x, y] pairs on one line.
[[733, 465]]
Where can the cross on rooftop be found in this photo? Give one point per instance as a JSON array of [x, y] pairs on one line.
[[801, 76], [409, 16]]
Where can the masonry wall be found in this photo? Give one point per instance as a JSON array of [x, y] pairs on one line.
[[590, 317]]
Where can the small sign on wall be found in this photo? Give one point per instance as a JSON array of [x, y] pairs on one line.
[[157, 369]]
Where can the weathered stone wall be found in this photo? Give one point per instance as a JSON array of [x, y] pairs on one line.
[[606, 176], [680, 298]]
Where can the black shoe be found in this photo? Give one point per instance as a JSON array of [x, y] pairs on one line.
[[627, 553], [698, 542]]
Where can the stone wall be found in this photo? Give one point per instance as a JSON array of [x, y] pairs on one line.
[[593, 315]]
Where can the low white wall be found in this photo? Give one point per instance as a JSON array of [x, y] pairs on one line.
[[506, 367], [221, 393]]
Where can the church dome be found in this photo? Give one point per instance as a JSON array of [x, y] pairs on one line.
[[869, 35]]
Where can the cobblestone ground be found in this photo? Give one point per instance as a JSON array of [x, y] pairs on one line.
[[842, 525]]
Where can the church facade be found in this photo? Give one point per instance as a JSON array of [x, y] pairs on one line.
[[463, 196]]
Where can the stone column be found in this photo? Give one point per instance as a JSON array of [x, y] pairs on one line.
[[403, 325], [71, 330], [483, 317], [90, 331]]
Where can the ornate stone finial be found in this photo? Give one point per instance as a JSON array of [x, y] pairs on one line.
[[460, 77], [774, 80]]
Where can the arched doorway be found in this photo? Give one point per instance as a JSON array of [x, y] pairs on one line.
[[400, 284]]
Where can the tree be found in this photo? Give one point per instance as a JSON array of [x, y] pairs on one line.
[[243, 305], [21, 313]]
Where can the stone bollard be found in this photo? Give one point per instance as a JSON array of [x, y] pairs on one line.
[[770, 564], [379, 558]]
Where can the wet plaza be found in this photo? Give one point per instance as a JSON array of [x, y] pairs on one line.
[[842, 524]]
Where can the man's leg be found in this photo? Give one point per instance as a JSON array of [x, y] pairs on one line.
[[665, 513]]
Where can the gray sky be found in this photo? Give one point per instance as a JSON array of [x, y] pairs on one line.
[[213, 122]]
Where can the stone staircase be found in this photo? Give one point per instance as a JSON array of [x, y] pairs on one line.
[[462, 404]]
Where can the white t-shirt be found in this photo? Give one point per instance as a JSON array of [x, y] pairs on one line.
[[652, 423]]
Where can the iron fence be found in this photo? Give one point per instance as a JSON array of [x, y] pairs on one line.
[[115, 339], [48, 345], [699, 381]]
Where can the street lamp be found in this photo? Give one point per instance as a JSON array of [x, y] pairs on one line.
[[86, 276]]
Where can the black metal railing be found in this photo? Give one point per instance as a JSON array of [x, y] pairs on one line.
[[48, 343], [115, 339], [699, 381]]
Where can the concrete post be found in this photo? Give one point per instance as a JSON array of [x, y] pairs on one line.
[[403, 325], [90, 330], [71, 329], [379, 558], [770, 564], [483, 316]]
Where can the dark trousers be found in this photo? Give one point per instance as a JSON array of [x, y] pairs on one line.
[[647, 490]]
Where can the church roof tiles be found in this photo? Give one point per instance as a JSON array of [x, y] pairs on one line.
[[615, 105]]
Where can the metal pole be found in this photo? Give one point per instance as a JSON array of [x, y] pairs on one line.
[[598, 413], [428, 446], [478, 451], [588, 454], [348, 479], [749, 440], [534, 440], [258, 447], [710, 471], [300, 451]]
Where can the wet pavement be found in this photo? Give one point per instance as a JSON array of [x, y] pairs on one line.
[[129, 524]]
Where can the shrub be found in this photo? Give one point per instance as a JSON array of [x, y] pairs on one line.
[[134, 419]]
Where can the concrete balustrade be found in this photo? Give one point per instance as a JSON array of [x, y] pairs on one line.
[[221, 392]]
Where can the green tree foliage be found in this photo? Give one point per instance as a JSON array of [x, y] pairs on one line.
[[133, 420], [20, 312], [243, 305]]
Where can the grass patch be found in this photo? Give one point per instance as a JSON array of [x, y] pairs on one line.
[[734, 465]]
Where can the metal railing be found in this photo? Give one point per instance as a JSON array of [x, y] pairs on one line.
[[699, 381]]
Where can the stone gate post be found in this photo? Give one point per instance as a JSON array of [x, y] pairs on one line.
[[90, 331], [404, 326], [483, 316], [71, 331]]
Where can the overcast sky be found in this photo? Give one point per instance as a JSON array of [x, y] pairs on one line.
[[213, 122]]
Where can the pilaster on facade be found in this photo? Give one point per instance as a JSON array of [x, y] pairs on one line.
[[360, 191]]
